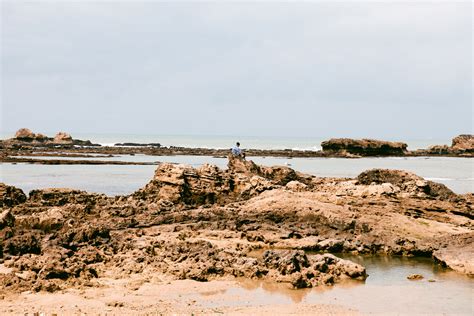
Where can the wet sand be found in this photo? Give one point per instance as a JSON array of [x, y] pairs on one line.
[[132, 296]]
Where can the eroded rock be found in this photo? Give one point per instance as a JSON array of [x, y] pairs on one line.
[[364, 147]]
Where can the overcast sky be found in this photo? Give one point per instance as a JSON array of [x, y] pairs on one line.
[[322, 69]]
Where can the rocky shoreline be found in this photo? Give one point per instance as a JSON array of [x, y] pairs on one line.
[[27, 143], [205, 224]]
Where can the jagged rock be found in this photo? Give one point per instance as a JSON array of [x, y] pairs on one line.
[[62, 196], [407, 181], [364, 147], [10, 196], [184, 184], [304, 271], [240, 165]]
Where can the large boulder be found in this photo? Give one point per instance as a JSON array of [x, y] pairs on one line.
[[364, 147]]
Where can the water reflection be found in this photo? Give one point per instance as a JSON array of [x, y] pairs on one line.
[[387, 290]]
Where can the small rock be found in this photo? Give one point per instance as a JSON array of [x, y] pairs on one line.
[[414, 277]]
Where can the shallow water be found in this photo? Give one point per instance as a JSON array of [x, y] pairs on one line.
[[456, 173], [386, 290]]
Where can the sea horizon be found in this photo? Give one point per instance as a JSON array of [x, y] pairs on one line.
[[310, 143]]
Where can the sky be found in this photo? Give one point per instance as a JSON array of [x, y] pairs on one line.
[[386, 70]]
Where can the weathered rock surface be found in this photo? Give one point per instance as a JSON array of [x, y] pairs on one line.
[[10, 196], [457, 253], [364, 147], [407, 181], [207, 223]]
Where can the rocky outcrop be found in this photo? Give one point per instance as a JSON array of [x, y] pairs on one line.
[[207, 223], [211, 185], [363, 147], [463, 143], [25, 139]]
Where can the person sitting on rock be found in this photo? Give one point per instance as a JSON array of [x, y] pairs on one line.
[[237, 152]]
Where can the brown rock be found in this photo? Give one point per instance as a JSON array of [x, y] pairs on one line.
[[458, 254], [6, 219], [463, 143], [62, 138], [364, 147], [41, 138], [415, 277], [439, 149], [407, 181], [25, 134], [10, 196]]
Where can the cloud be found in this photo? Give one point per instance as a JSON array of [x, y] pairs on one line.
[[310, 68]]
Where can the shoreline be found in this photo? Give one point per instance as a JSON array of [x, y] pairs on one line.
[[206, 224], [26, 142]]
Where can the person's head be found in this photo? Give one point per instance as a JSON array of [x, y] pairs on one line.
[[238, 144]]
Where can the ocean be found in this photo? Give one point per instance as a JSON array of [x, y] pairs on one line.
[[222, 142], [456, 173]]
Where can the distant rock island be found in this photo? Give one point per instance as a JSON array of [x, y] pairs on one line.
[[25, 137], [364, 147], [27, 143]]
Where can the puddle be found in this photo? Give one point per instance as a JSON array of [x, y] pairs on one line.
[[386, 291]]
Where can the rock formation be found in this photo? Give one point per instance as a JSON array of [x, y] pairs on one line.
[[26, 139], [25, 134], [364, 147], [463, 143], [246, 221]]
